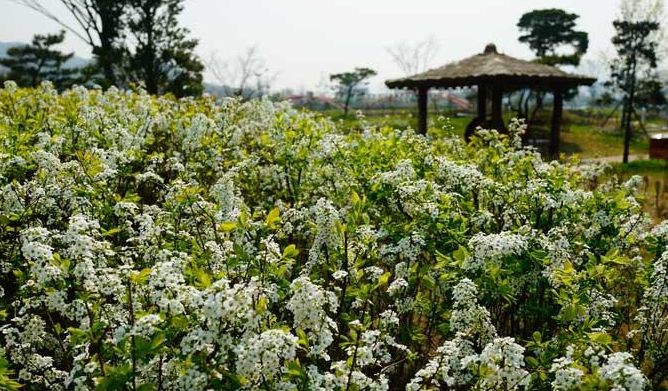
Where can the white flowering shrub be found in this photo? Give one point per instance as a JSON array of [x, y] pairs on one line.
[[149, 243]]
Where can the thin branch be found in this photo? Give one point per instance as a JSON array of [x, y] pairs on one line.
[[36, 6]]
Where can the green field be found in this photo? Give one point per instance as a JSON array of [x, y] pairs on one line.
[[581, 135]]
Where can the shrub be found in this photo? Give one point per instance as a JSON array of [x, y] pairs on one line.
[[149, 243]]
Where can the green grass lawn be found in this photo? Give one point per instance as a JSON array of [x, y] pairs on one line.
[[580, 135], [590, 142]]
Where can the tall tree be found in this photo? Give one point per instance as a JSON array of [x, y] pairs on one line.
[[29, 65], [636, 53], [163, 57], [348, 81], [100, 25], [547, 31]]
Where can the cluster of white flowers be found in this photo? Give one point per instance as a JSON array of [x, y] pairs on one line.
[[199, 244], [261, 357], [504, 361], [326, 239], [229, 201], [490, 249], [453, 176], [448, 367], [616, 370], [468, 318], [622, 374], [309, 305]]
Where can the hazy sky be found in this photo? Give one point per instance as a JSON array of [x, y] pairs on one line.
[[306, 40]]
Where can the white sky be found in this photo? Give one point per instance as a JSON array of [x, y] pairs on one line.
[[306, 40]]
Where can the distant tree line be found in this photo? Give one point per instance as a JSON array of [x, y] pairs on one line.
[[133, 42]]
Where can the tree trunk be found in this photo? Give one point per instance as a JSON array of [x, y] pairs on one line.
[[151, 73], [345, 106], [626, 123], [629, 110]]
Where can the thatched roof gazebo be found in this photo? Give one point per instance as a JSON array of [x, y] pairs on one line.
[[499, 73]]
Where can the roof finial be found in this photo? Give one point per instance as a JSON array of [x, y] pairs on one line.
[[490, 49]]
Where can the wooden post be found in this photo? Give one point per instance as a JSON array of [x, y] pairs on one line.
[[555, 130], [482, 102], [497, 117], [422, 109]]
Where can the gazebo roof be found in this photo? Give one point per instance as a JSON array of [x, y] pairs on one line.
[[492, 67]]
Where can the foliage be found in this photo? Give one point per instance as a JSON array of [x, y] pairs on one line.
[[348, 81], [150, 243], [650, 94], [163, 59], [29, 65], [160, 56], [546, 31]]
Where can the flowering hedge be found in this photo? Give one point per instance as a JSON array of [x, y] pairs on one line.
[[158, 244]]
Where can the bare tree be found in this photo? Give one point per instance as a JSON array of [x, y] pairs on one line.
[[247, 75], [414, 58]]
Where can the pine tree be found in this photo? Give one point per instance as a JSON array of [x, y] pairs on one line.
[[100, 26], [348, 81], [31, 64]]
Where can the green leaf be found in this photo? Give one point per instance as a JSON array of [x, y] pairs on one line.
[[227, 226], [141, 276], [460, 254], [158, 340], [303, 338], [383, 280], [272, 218], [536, 336], [261, 305], [203, 279], [294, 368], [290, 252], [76, 335], [601, 338], [354, 198], [111, 232], [569, 313]]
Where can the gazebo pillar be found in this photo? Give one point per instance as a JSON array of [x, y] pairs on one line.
[[497, 117], [422, 109], [555, 130], [482, 102]]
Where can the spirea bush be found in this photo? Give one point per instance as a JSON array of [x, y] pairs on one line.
[[148, 243]]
